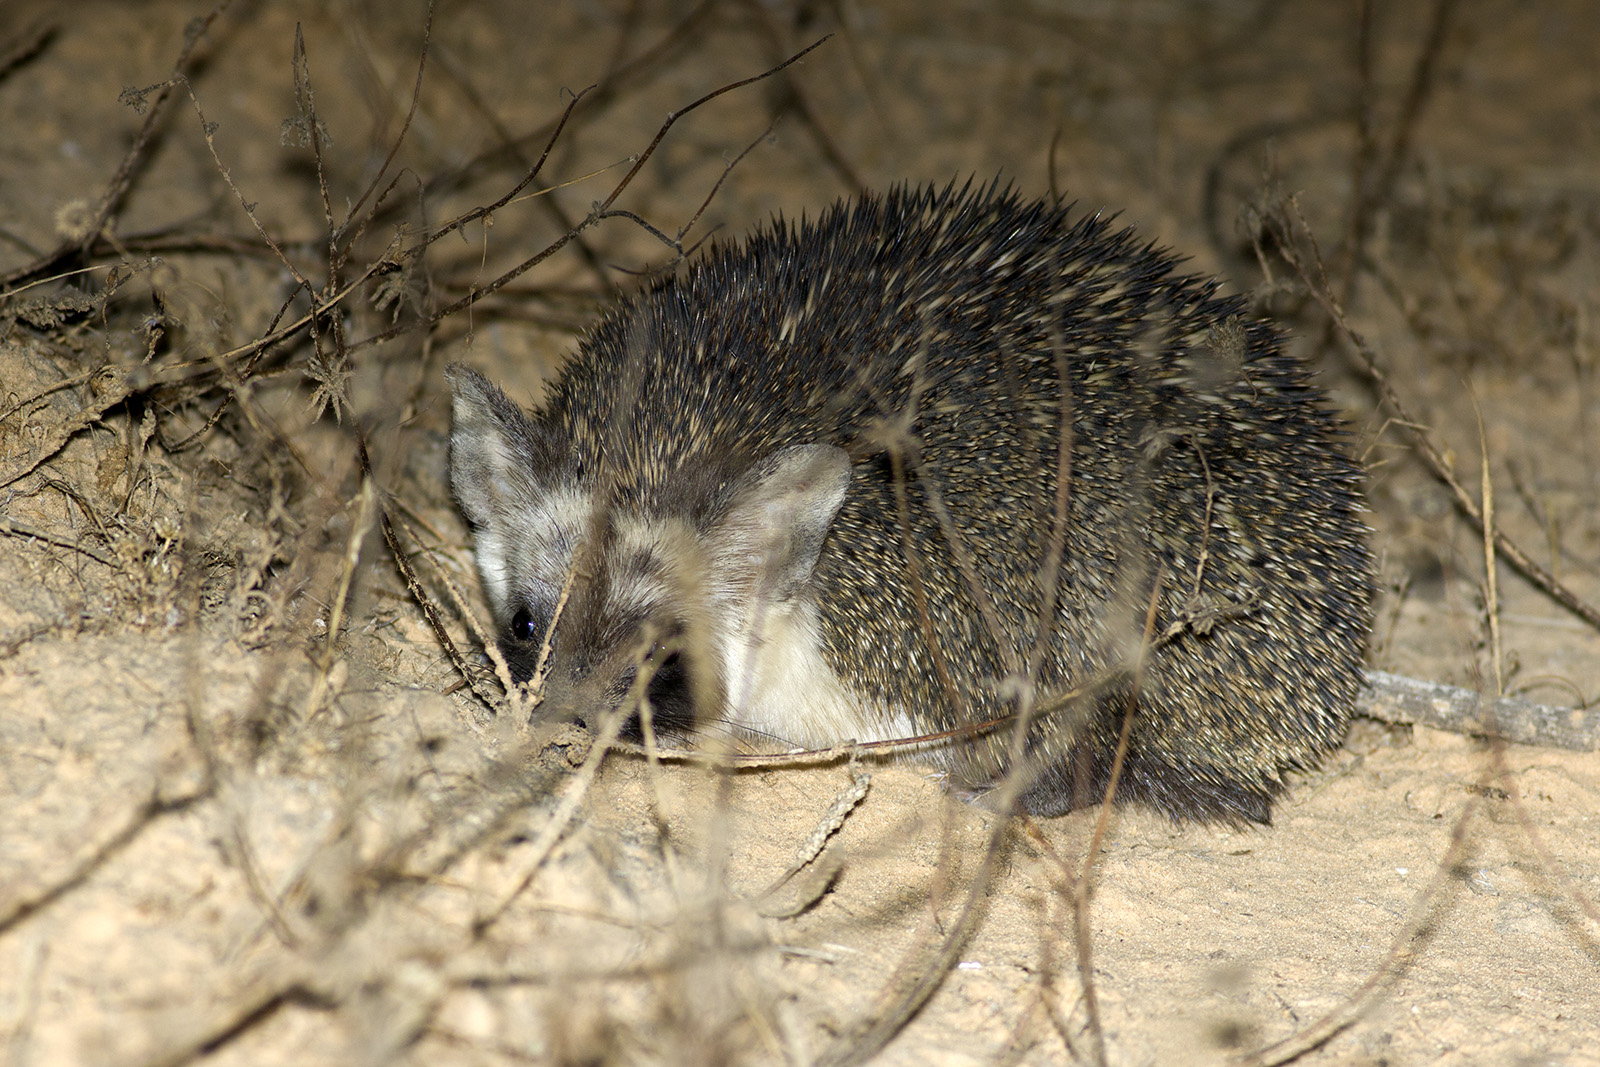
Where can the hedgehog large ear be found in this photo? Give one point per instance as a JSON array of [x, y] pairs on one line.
[[778, 514], [493, 446]]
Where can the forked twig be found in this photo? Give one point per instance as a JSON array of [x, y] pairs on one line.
[[596, 214]]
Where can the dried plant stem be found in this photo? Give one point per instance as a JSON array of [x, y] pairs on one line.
[[556, 825], [1402, 950], [352, 559], [1491, 586], [1082, 929], [1316, 283], [140, 818]]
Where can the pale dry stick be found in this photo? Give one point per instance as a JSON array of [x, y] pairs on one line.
[[1063, 889], [919, 974], [352, 559], [717, 849], [919, 591], [1318, 288], [425, 602], [843, 805], [658, 799], [475, 628], [892, 434], [512, 693], [556, 825], [1407, 701], [1050, 566], [900, 745], [534, 690], [1082, 932], [969, 572], [243, 855], [646, 666], [903, 454], [1498, 747], [1204, 555], [1401, 951], [812, 757], [276, 916], [1055, 553], [1491, 605]]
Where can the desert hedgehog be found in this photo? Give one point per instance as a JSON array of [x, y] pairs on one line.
[[814, 487]]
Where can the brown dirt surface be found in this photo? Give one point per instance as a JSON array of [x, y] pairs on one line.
[[253, 815]]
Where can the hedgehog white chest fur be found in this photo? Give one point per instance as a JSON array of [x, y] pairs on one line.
[[853, 479]]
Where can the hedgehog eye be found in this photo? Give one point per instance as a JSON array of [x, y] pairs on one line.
[[522, 625]]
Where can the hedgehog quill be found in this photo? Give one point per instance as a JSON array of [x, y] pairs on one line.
[[813, 487]]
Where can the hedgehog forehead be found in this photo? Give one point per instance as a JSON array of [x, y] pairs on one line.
[[627, 584], [529, 549], [643, 566], [649, 564]]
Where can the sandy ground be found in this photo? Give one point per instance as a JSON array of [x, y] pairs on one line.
[[227, 839]]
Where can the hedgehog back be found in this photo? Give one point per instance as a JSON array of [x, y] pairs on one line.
[[942, 334]]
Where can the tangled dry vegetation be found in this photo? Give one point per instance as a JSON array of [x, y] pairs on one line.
[[260, 804]]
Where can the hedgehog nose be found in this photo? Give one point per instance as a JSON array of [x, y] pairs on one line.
[[580, 699], [559, 702]]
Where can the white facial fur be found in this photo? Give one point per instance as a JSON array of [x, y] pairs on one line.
[[780, 685], [532, 546], [741, 586]]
